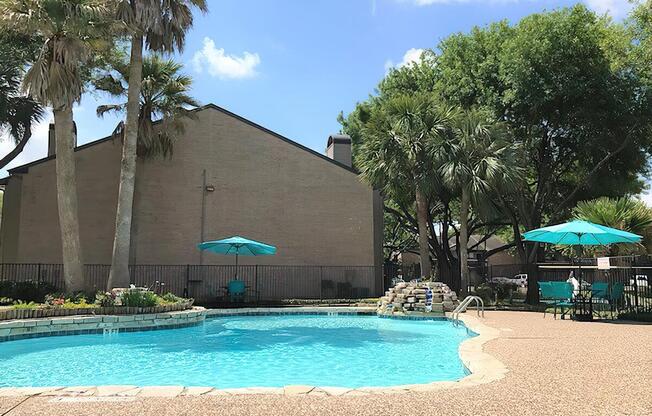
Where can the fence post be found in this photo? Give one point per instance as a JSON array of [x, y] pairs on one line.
[[186, 289], [321, 278], [256, 283], [38, 274], [636, 292]]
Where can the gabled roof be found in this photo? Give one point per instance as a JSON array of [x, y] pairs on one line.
[[25, 168], [490, 243]]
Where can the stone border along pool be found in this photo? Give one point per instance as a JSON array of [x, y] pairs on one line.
[[98, 324], [483, 367]]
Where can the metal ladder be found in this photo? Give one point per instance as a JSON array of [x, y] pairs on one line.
[[479, 303]]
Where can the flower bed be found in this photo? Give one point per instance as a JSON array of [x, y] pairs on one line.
[[46, 312], [119, 301]]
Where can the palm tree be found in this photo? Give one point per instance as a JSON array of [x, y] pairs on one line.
[[68, 28], [164, 96], [624, 213], [17, 112], [477, 159], [162, 26], [395, 155]]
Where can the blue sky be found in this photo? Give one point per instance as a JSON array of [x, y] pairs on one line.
[[293, 65]]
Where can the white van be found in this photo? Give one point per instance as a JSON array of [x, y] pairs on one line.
[[518, 280]]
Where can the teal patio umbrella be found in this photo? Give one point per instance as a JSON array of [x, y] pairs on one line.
[[238, 246], [581, 233]]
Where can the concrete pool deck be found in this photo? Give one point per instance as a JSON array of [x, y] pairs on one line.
[[554, 367]]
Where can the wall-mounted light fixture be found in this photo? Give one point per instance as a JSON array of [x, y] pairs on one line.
[[210, 188]]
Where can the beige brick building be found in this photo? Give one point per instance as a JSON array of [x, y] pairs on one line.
[[227, 176]]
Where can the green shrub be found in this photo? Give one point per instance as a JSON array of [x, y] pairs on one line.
[[485, 292], [59, 301], [6, 301], [80, 297], [496, 292], [25, 305], [505, 291], [54, 300], [28, 291], [139, 299], [105, 299], [169, 298], [6, 288], [81, 304]]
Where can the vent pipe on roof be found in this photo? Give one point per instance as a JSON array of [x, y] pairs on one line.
[[339, 148]]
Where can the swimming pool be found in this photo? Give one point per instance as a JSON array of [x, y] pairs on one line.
[[246, 351]]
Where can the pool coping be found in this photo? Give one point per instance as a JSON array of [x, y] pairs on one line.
[[483, 367]]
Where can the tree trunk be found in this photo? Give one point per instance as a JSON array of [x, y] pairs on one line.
[[464, 242], [16, 150], [422, 222], [119, 274], [532, 296], [67, 199]]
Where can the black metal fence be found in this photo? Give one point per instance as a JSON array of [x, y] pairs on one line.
[[205, 283], [412, 271], [406, 272], [633, 272]]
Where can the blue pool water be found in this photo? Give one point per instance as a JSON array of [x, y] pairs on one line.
[[245, 351]]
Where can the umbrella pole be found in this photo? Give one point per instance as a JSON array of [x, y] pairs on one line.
[[236, 265], [579, 264]]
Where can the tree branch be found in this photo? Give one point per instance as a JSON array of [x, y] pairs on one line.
[[595, 170]]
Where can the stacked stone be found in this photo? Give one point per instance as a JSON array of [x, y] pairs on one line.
[[408, 297]]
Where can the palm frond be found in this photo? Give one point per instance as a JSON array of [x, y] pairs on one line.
[[110, 108], [164, 96], [163, 23], [68, 27]]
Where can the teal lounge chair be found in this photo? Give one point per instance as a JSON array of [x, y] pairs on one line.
[[557, 294], [599, 296], [600, 290], [615, 297], [237, 291]]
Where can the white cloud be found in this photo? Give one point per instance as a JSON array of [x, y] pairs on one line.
[[616, 8], [410, 56], [36, 147], [222, 65]]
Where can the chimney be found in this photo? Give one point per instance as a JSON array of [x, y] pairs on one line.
[[52, 140], [52, 144], [339, 148]]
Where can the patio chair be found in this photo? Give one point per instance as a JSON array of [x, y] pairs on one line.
[[557, 294], [237, 292], [615, 296], [600, 295], [600, 290]]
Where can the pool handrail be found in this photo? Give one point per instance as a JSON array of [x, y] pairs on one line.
[[479, 303]]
